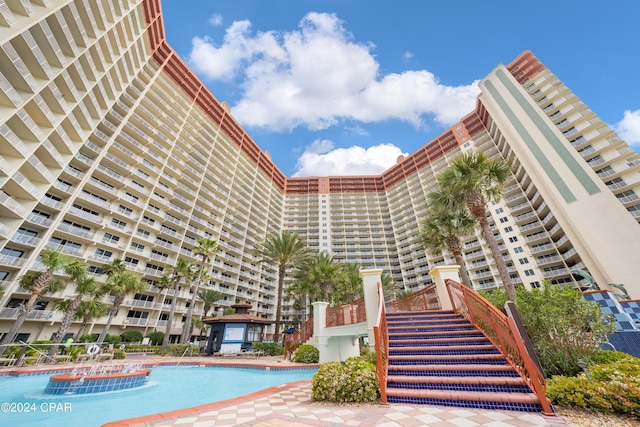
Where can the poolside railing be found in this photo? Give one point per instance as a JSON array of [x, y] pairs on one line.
[[503, 332], [347, 314], [381, 336], [424, 299]]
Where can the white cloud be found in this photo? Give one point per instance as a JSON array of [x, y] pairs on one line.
[[318, 76], [215, 20], [322, 159], [629, 127], [407, 55]]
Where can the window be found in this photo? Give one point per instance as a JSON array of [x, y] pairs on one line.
[[143, 232], [253, 333], [131, 261], [513, 239], [499, 210], [103, 253], [523, 261], [528, 273], [110, 238], [134, 314], [118, 224], [504, 219], [508, 229], [12, 252], [124, 210], [137, 247], [518, 249]]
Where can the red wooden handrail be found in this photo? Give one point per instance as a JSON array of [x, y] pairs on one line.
[[503, 333], [424, 299], [381, 336], [347, 314]]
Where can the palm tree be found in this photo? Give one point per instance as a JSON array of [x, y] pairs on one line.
[[349, 284], [84, 286], [389, 289], [206, 248], [209, 297], [442, 229], [471, 181], [324, 273], [39, 283], [89, 310], [183, 269], [284, 250], [119, 284]]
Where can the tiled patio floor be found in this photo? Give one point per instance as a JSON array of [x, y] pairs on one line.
[[292, 406]]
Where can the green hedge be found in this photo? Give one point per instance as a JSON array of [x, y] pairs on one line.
[[612, 388], [270, 348]]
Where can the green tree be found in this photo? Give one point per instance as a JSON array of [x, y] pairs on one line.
[[119, 285], [85, 286], [38, 283], [206, 249], [89, 310], [209, 297], [324, 273], [442, 229], [348, 286], [181, 270], [389, 288], [283, 250], [564, 327], [471, 181]]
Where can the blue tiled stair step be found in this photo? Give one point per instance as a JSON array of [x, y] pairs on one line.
[[453, 370], [470, 359], [440, 343], [444, 350], [429, 336], [481, 384], [461, 403]]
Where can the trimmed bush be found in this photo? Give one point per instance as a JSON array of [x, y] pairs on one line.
[[351, 382], [306, 353], [270, 348], [119, 354], [614, 388], [156, 338], [601, 357], [131, 336]]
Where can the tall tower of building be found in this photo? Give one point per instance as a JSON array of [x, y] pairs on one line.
[[111, 148]]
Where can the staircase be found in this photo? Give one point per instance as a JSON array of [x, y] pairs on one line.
[[440, 358]]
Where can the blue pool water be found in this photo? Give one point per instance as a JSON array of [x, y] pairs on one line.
[[23, 404]]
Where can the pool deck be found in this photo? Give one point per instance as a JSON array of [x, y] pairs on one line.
[[291, 405]]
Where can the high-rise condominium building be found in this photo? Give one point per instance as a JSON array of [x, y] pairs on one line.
[[111, 148]]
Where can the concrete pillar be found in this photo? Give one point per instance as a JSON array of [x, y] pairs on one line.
[[439, 274], [370, 280]]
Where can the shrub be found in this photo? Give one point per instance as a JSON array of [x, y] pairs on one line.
[[563, 326], [614, 388], [179, 350], [155, 338], [119, 354], [307, 354], [270, 348], [607, 356], [353, 381], [131, 336]]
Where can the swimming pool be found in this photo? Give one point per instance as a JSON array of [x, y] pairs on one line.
[[170, 388]]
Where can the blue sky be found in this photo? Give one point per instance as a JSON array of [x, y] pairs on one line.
[[343, 87]]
